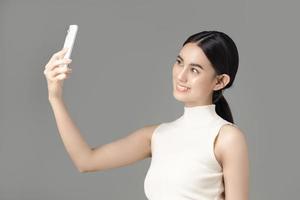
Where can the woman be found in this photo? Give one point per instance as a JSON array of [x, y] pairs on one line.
[[201, 155]]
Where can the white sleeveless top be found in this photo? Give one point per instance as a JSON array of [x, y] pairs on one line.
[[183, 164]]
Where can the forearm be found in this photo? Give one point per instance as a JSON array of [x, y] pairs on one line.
[[74, 143]]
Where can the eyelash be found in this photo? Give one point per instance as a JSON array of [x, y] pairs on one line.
[[178, 61]]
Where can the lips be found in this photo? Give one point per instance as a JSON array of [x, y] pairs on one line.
[[182, 88], [182, 85]]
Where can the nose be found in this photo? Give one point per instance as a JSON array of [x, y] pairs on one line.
[[182, 75]]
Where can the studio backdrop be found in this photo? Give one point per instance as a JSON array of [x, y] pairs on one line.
[[122, 81]]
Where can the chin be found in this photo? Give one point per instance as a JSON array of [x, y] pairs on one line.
[[180, 97]]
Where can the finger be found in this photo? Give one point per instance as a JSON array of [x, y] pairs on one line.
[[60, 54], [60, 70], [57, 63], [63, 53], [62, 76], [64, 62]]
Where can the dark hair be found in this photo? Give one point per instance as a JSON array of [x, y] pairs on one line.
[[222, 52]]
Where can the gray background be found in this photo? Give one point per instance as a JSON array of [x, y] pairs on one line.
[[121, 81]]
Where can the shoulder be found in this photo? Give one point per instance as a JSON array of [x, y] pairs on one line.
[[148, 130], [231, 134], [232, 142], [235, 161]]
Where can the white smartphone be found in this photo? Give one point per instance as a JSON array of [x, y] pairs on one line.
[[70, 39]]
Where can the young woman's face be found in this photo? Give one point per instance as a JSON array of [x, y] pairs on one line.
[[194, 77]]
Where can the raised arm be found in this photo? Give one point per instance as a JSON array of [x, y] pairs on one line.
[[135, 146], [125, 151], [73, 141]]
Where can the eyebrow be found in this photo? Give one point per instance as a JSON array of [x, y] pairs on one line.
[[192, 64]]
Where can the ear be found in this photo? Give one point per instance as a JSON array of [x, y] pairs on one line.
[[221, 81]]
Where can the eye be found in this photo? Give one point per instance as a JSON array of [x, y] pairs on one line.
[[195, 70], [178, 61]]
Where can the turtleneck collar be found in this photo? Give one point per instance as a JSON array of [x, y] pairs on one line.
[[196, 116]]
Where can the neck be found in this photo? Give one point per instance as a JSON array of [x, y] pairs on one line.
[[199, 115]]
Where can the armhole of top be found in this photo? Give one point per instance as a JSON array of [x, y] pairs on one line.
[[215, 137], [154, 132], [153, 136]]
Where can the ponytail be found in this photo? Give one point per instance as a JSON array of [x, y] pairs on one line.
[[222, 107]]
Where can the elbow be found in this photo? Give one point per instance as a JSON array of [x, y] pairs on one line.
[[86, 169], [82, 167], [85, 164], [82, 170]]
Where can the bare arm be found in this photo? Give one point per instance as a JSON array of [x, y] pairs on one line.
[[127, 150], [74, 143], [134, 147], [235, 163]]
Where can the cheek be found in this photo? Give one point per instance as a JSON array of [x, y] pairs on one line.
[[174, 72], [201, 85], [174, 69]]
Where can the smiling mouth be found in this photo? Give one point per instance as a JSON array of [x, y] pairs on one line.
[[182, 88]]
